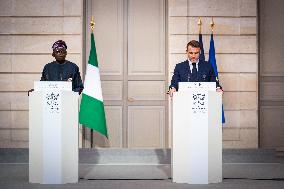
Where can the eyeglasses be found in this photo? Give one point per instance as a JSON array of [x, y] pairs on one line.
[[60, 51]]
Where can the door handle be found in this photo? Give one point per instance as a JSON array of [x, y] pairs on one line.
[[130, 99]]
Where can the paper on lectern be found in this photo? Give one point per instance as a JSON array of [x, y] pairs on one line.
[[52, 85]]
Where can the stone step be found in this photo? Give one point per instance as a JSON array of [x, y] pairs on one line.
[[250, 156], [125, 156], [280, 152], [151, 172], [154, 163], [230, 171], [144, 156], [253, 171], [135, 171]]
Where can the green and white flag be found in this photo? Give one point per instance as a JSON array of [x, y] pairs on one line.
[[92, 113]]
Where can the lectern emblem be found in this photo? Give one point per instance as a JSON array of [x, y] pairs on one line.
[[198, 105], [52, 102]]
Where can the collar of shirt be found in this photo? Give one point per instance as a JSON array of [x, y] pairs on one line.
[[190, 65]]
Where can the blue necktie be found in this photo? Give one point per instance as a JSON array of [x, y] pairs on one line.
[[194, 72]]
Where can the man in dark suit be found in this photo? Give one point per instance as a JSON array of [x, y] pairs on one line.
[[62, 69], [193, 69]]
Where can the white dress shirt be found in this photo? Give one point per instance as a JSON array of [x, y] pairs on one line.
[[191, 66]]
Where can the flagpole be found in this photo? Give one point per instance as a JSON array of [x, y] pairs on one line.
[[212, 24], [199, 23], [92, 111], [202, 55], [92, 26]]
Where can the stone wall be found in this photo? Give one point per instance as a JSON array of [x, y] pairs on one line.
[[28, 29]]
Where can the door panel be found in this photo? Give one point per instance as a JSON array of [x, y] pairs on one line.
[[112, 90], [114, 123], [271, 74], [146, 37], [146, 90], [130, 42], [273, 137], [108, 33], [146, 126]]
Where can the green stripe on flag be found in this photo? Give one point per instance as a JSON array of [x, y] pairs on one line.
[[93, 53], [92, 114]]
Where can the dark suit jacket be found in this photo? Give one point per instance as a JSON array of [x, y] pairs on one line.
[[62, 72], [182, 73]]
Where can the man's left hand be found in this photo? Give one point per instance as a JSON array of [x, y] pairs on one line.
[[219, 90]]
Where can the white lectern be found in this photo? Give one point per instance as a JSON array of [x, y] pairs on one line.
[[197, 134], [53, 133]]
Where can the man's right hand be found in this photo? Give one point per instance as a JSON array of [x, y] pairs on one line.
[[29, 91], [171, 91]]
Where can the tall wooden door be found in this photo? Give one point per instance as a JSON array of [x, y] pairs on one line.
[[130, 41], [271, 74]]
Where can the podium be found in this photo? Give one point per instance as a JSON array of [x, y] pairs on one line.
[[197, 134], [53, 133]]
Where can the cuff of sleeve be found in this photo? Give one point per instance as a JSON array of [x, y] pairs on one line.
[[219, 88]]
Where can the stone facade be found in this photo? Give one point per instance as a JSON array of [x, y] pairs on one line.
[[27, 32], [29, 27]]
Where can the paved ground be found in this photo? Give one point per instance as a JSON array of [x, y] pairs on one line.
[[15, 176], [21, 183], [243, 169]]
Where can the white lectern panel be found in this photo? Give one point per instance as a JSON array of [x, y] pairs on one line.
[[53, 137], [197, 137], [51, 143]]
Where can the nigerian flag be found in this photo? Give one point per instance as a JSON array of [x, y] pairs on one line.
[[92, 113]]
